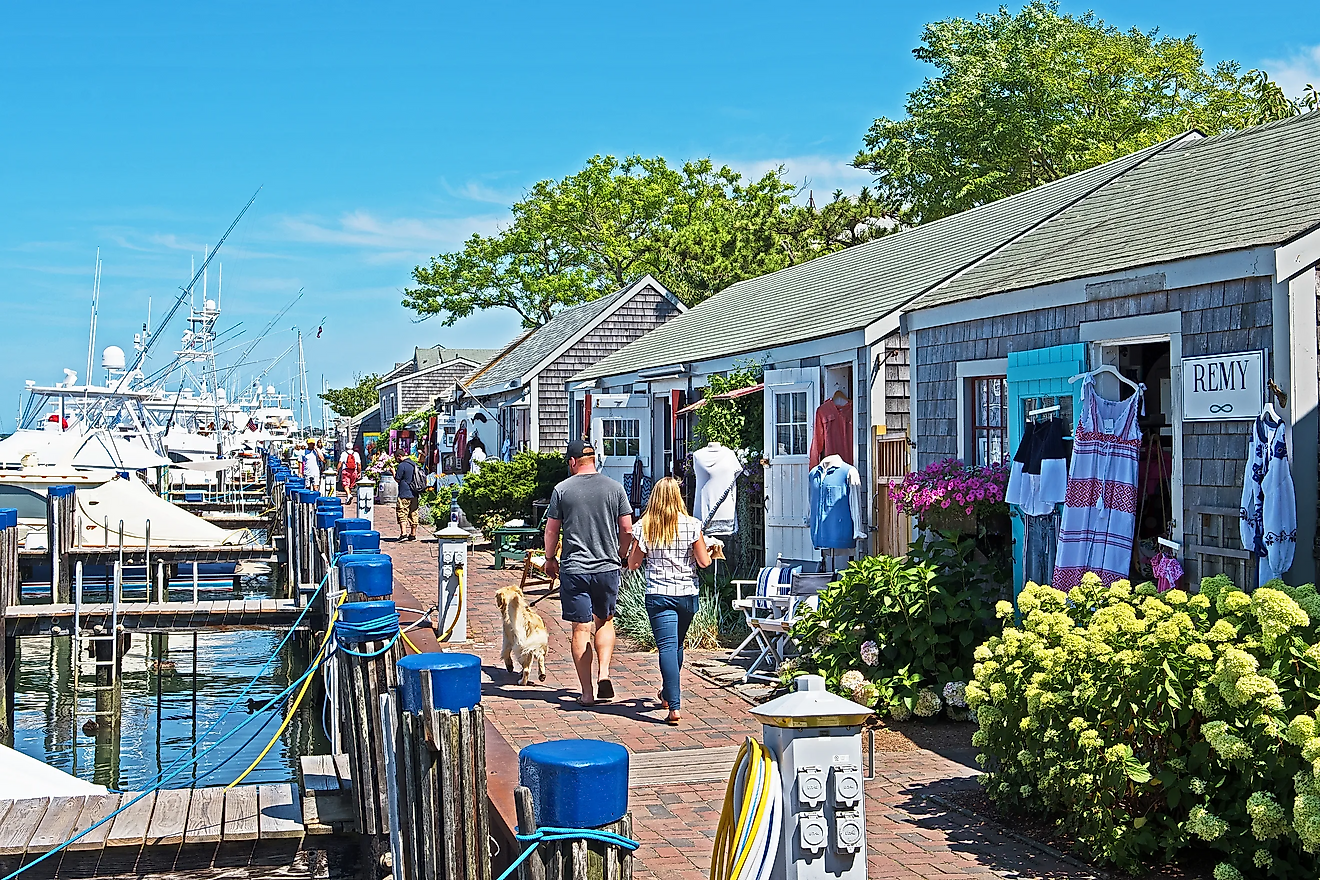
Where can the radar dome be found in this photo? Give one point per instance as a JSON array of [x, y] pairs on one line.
[[210, 305], [270, 389], [112, 358]]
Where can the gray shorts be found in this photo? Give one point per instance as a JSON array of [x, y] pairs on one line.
[[587, 595]]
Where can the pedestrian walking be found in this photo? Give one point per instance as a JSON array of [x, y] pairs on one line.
[[669, 547], [311, 466], [591, 514], [411, 485], [350, 467]]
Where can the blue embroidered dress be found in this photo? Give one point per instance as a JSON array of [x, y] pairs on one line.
[[1269, 505]]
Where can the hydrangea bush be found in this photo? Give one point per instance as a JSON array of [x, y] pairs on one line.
[[1148, 725], [893, 627]]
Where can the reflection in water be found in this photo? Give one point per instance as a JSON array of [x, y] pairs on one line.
[[163, 707]]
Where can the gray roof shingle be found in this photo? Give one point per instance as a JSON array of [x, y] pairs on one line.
[[535, 347], [849, 289], [1233, 191]]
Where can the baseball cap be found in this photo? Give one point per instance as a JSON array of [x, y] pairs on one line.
[[580, 449]]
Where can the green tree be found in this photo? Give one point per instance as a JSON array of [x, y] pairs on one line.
[[355, 398], [697, 228], [1020, 100]]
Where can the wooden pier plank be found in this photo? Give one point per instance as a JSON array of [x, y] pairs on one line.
[[241, 813], [281, 811], [318, 772], [130, 827], [57, 825], [345, 772], [169, 821], [20, 824], [98, 806], [206, 816]]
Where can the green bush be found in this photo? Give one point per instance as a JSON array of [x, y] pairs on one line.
[[895, 627], [1149, 725], [507, 489]]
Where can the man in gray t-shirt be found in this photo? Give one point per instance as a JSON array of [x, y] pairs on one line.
[[594, 517]]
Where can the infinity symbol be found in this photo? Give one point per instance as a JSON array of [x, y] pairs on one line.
[[1221, 408]]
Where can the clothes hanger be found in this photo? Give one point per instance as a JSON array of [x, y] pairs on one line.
[[1112, 370], [839, 398]]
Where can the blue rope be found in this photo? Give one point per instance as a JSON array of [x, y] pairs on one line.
[[376, 629], [550, 834], [316, 662], [248, 688]]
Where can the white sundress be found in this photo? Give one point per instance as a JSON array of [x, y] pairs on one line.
[[1100, 510], [1269, 503]]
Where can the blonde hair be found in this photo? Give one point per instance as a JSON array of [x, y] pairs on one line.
[[663, 511]]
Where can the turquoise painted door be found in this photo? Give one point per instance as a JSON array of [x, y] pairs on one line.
[[1038, 379]]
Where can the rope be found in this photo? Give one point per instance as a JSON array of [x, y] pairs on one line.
[[248, 688], [293, 709], [461, 573], [274, 700], [551, 834], [374, 629]]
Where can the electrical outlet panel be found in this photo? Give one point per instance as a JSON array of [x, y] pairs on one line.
[[847, 784], [849, 831], [810, 786], [812, 832]]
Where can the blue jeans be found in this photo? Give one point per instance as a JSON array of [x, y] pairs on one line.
[[670, 618]]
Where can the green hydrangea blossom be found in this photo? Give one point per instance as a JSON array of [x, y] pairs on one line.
[[1263, 859], [1277, 613], [1205, 825], [1268, 819], [1225, 871]]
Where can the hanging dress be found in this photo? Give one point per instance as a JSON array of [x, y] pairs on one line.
[[1269, 504], [1100, 510]]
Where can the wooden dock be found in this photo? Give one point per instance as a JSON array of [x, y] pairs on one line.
[[327, 798], [202, 821], [31, 620]]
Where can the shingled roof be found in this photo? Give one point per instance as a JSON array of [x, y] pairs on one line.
[[848, 289], [525, 356], [1230, 192]]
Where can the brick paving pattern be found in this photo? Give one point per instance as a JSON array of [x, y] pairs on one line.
[[908, 836]]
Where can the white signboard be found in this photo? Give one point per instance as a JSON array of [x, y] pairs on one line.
[[1223, 387]]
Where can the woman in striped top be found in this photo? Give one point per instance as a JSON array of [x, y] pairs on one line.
[[670, 546]]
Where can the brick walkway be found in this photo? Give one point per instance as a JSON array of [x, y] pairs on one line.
[[908, 836]]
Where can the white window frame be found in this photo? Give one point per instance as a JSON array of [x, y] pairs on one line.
[[790, 391], [632, 442], [987, 368]]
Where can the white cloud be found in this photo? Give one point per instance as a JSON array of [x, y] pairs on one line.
[[391, 238], [476, 191], [1297, 71]]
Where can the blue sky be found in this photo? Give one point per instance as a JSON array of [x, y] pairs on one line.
[[383, 134]]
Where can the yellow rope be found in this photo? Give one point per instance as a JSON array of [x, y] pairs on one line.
[[329, 633], [462, 579]]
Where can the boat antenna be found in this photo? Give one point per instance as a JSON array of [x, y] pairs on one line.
[[91, 336], [266, 330], [187, 291]]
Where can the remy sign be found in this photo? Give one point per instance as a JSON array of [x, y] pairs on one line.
[[1223, 387]]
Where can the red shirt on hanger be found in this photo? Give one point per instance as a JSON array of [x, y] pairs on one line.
[[833, 434]]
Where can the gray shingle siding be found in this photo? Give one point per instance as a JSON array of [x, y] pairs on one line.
[[1216, 318], [645, 311]]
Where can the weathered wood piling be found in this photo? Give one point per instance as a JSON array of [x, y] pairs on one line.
[[575, 859]]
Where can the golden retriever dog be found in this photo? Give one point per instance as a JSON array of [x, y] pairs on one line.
[[525, 638]]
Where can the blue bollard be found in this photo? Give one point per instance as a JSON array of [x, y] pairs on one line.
[[8, 517], [576, 783], [351, 524], [326, 519], [371, 574], [455, 680], [356, 542], [361, 613]]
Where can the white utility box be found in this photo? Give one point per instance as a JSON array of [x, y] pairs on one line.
[[816, 739]]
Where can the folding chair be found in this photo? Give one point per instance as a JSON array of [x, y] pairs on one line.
[[770, 613], [534, 575]]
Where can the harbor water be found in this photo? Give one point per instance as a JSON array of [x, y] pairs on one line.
[[166, 704]]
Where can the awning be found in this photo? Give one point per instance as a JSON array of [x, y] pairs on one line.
[[728, 395]]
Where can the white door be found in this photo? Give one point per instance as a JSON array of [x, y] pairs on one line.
[[621, 433], [790, 408]]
